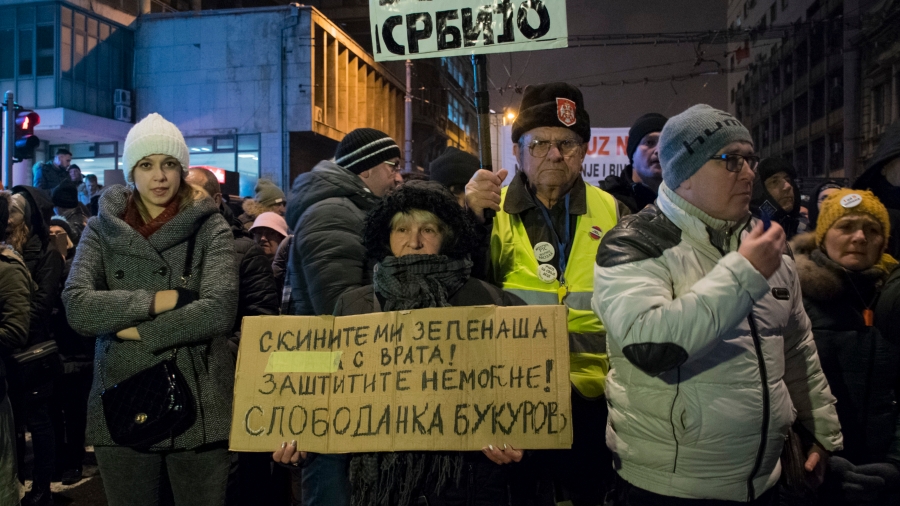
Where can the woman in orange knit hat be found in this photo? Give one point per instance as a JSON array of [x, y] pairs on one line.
[[843, 271]]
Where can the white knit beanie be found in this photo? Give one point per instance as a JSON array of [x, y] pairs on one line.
[[154, 135]]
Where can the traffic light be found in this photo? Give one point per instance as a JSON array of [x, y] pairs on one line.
[[26, 141]]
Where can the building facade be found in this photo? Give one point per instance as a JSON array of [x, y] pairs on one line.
[[814, 87], [268, 92], [442, 90], [264, 92]]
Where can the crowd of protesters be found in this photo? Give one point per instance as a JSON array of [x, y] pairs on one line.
[[731, 339]]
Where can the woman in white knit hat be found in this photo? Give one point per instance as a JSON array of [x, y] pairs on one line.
[[154, 279]]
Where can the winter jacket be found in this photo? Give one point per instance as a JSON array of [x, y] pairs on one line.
[[45, 264], [15, 307], [872, 179], [47, 176], [115, 276], [710, 362], [326, 211], [257, 293], [860, 363], [635, 196]]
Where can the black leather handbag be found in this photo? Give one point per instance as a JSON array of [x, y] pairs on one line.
[[149, 407], [154, 404]]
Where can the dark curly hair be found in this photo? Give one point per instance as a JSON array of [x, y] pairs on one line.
[[426, 196]]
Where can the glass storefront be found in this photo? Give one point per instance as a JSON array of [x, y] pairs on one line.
[[233, 153], [238, 153], [92, 157]]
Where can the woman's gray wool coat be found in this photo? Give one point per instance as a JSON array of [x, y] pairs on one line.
[[114, 277]]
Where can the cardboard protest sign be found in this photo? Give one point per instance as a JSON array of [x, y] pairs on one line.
[[409, 29], [456, 378], [606, 153]]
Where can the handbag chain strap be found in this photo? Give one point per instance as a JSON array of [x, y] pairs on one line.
[[185, 276]]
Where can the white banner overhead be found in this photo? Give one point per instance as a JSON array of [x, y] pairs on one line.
[[605, 155], [409, 29]]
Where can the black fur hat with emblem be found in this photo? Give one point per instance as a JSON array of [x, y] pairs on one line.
[[552, 105]]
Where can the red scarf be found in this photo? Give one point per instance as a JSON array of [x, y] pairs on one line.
[[133, 217]]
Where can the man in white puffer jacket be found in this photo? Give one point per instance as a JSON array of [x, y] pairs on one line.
[[711, 354]]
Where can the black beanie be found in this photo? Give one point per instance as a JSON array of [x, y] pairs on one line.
[[365, 148], [65, 195], [646, 124], [552, 105], [59, 221], [454, 167], [771, 166]]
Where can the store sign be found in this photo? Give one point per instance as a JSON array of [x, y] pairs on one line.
[[605, 155], [455, 378], [409, 29]]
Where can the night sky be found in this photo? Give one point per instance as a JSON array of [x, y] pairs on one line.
[[619, 106]]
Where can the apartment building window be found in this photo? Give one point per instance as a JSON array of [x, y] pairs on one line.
[[95, 60], [800, 55], [787, 120], [817, 101], [773, 11], [801, 110], [817, 44], [836, 150], [836, 90], [7, 46], [457, 114], [784, 5], [878, 105], [776, 80], [776, 127], [788, 71], [801, 163], [817, 157], [27, 53]]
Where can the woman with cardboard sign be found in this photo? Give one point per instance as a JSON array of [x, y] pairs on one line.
[[421, 239]]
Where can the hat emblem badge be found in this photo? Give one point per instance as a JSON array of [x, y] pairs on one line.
[[565, 111]]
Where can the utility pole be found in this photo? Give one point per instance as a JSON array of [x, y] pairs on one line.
[[408, 133], [9, 137]]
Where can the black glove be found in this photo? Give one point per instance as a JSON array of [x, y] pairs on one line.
[[886, 471], [861, 483], [185, 297]]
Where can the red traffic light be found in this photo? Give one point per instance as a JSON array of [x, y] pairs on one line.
[[26, 141], [26, 121]]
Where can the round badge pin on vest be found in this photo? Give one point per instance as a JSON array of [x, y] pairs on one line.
[[596, 233], [547, 273], [544, 251], [851, 201]]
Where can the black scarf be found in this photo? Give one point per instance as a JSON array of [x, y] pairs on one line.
[[420, 281], [396, 478]]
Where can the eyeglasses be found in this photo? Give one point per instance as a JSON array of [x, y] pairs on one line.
[[540, 149], [395, 166], [735, 163]]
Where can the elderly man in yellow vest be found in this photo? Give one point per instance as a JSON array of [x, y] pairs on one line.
[[543, 241]]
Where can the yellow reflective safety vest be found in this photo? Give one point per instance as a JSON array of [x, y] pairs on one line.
[[516, 269]]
